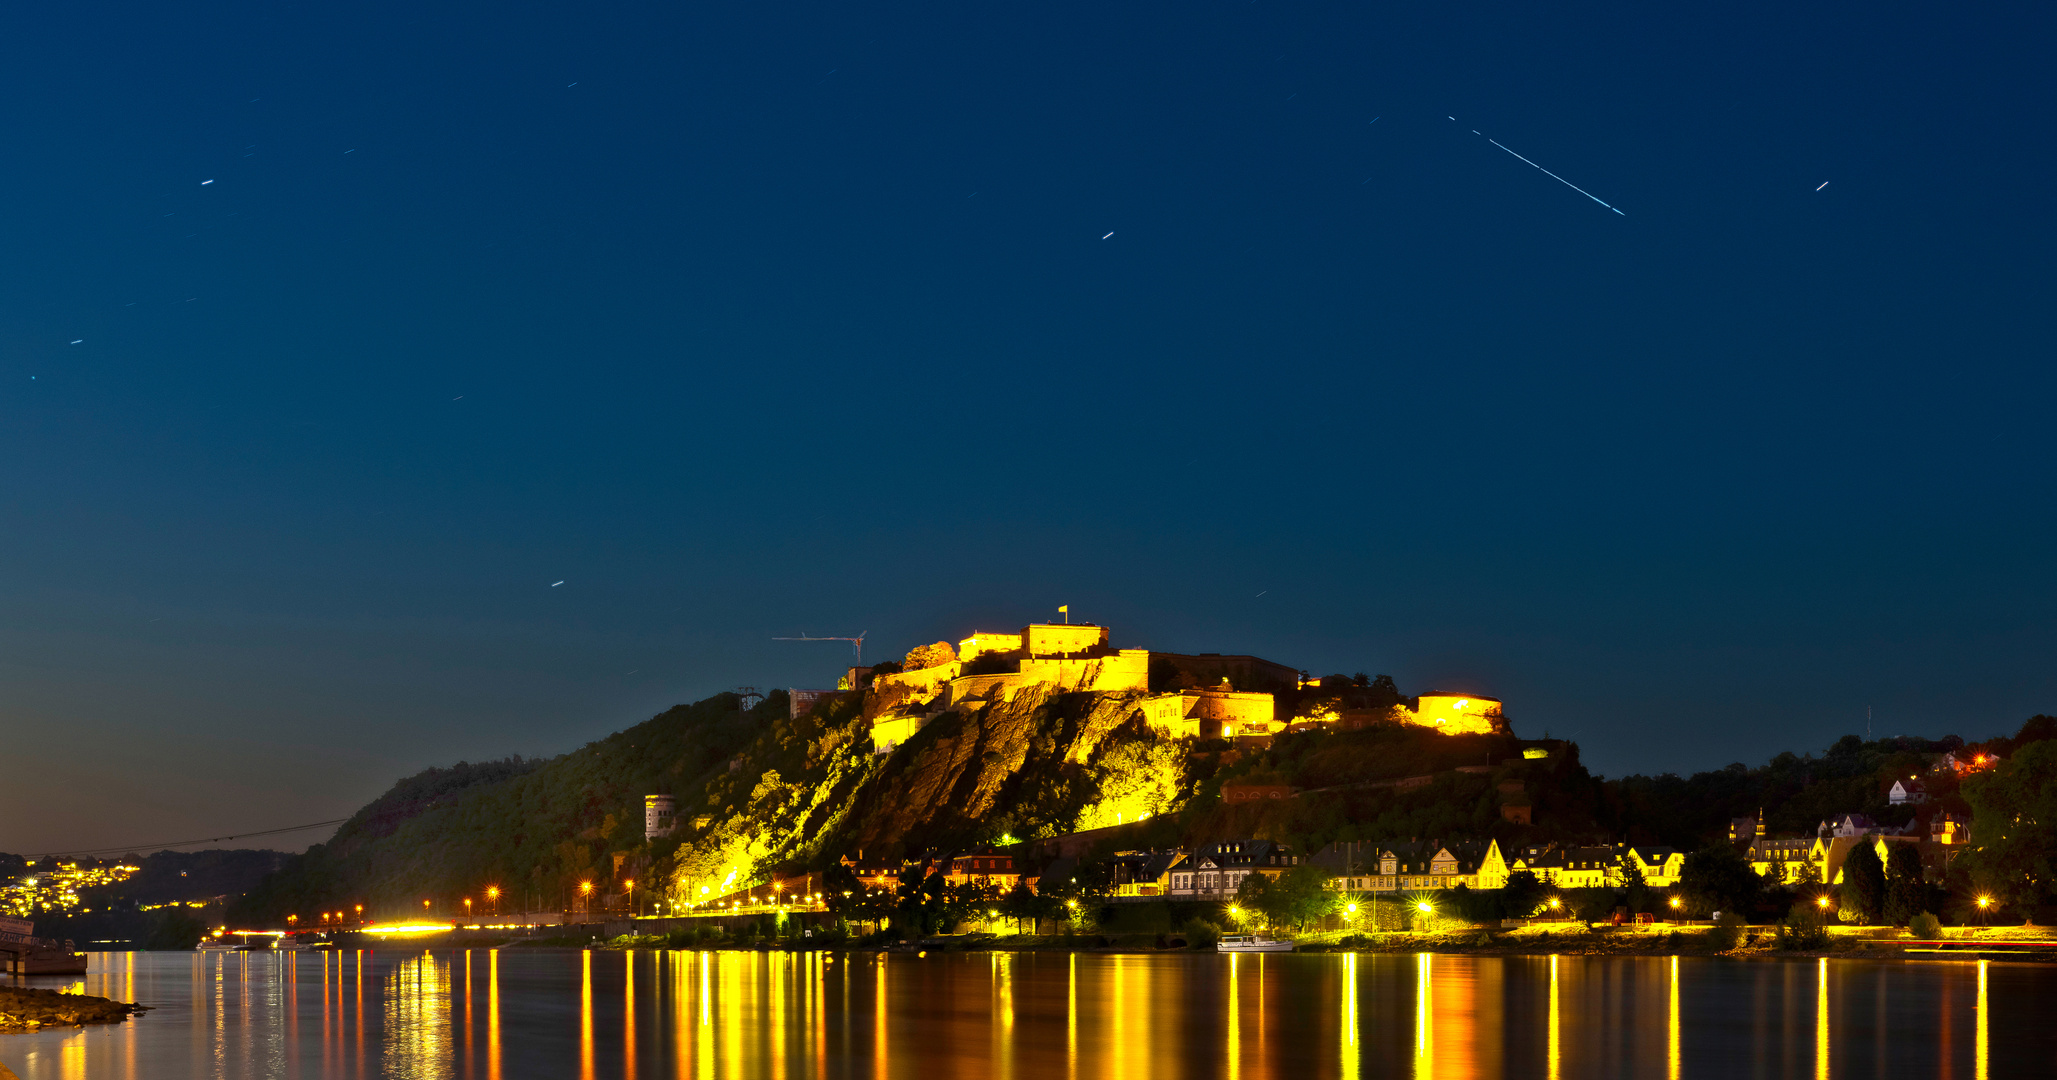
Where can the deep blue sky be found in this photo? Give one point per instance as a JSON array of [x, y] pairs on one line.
[[753, 319]]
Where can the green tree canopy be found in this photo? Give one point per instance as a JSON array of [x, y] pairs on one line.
[[1717, 878], [2014, 824], [1863, 892]]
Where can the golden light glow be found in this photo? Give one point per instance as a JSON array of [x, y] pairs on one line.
[[492, 892], [1423, 906], [1677, 902], [585, 887], [408, 928], [1821, 1020], [1985, 901], [1822, 902]]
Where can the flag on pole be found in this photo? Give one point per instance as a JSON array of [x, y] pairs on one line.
[[1065, 610]]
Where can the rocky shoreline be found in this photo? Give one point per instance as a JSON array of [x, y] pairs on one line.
[[26, 1009]]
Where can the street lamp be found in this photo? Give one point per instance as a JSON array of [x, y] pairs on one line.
[[493, 894], [467, 907]]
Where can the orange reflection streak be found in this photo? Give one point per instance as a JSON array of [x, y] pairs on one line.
[[1946, 1066], [821, 1016], [777, 962], [1263, 1062], [1462, 1003], [1349, 1049], [1978, 1061], [878, 1009], [1120, 1037], [1555, 1046], [586, 1018], [360, 1012], [628, 1014], [1424, 1034], [736, 1002], [71, 1058], [470, 1062], [493, 1016], [1671, 1046], [327, 1040], [1821, 1020], [1003, 1012], [705, 1043], [1235, 1021]]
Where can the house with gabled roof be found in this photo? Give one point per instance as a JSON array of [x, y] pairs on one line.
[[1216, 871]]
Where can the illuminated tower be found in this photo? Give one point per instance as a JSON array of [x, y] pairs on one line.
[[660, 815]]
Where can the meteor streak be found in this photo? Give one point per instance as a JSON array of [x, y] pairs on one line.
[[1824, 183], [1560, 179]]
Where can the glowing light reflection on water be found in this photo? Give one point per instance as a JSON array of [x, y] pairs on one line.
[[658, 1015]]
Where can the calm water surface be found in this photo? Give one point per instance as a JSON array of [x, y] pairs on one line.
[[501, 1015]]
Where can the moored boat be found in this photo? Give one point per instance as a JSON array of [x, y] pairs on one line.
[[1233, 943]]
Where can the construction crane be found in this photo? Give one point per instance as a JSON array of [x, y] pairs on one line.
[[856, 643]]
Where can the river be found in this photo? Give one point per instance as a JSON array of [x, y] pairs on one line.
[[518, 1013]]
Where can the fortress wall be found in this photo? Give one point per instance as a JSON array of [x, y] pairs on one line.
[[981, 641], [1455, 714], [1046, 639], [926, 682], [1126, 670]]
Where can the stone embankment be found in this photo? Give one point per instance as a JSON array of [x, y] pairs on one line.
[[26, 1009]]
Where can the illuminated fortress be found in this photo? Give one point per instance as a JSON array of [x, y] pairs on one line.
[[1196, 698]]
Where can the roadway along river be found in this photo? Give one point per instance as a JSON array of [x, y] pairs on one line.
[[518, 1013]]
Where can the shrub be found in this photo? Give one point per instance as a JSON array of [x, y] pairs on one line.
[[1925, 926], [1803, 929], [1727, 932]]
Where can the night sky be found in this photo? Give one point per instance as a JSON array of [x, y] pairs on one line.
[[332, 335]]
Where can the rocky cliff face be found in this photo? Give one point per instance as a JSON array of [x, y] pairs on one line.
[[1039, 763]]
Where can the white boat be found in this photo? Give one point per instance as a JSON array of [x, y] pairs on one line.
[[1251, 943]]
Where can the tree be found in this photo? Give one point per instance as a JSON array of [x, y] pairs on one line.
[[927, 656], [1253, 895], [1636, 891], [1300, 895], [1863, 894], [1022, 903], [1717, 878], [1522, 895], [2014, 823], [1906, 894], [842, 891]]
